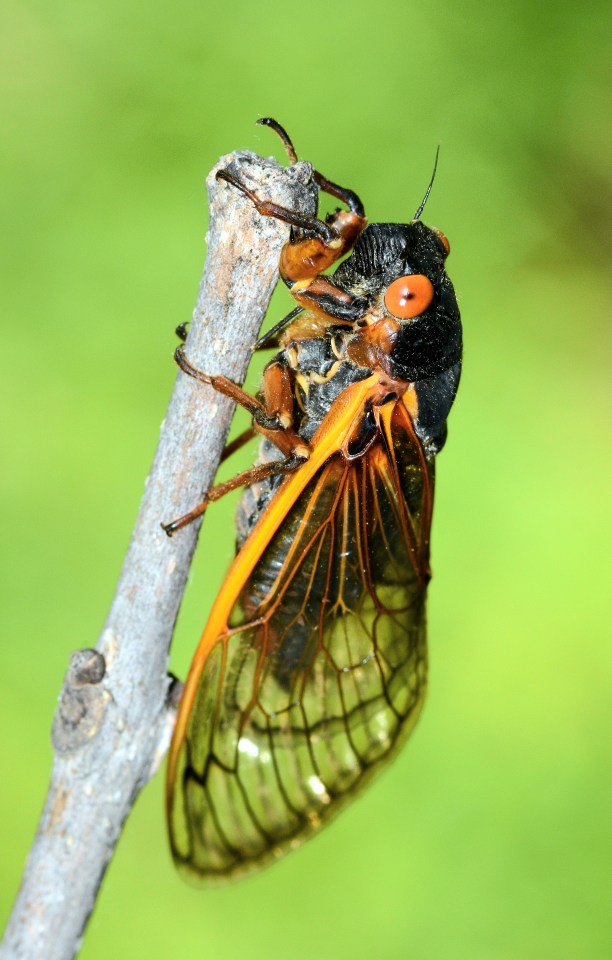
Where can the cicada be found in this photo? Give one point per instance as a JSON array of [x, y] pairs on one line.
[[312, 669]]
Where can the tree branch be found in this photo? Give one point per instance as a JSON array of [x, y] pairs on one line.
[[116, 708]]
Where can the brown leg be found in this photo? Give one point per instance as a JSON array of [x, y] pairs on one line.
[[341, 193], [272, 421], [326, 299], [221, 384], [260, 472], [307, 257], [270, 338], [268, 209], [238, 442], [274, 426], [282, 133], [277, 389], [278, 393], [303, 258]]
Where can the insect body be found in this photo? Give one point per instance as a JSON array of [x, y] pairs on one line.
[[312, 669]]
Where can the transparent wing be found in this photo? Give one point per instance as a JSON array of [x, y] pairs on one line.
[[321, 671]]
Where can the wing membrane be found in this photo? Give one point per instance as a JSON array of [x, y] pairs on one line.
[[321, 671]]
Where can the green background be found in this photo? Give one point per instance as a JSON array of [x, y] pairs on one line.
[[490, 836]]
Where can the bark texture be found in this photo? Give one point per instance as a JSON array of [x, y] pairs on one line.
[[116, 708]]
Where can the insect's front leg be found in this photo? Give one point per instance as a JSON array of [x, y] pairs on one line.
[[304, 258]]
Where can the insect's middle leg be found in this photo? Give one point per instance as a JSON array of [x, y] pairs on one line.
[[277, 389], [273, 419]]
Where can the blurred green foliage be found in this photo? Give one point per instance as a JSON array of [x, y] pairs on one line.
[[489, 837]]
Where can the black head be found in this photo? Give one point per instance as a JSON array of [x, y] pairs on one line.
[[429, 339], [385, 251]]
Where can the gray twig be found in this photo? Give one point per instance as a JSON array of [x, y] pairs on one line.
[[116, 710]]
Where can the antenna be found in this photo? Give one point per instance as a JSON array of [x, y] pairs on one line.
[[428, 191]]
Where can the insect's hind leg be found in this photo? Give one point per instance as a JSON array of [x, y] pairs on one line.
[[237, 443], [255, 474]]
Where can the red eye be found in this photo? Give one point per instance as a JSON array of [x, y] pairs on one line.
[[409, 296]]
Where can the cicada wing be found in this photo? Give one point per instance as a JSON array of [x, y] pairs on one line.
[[321, 671]]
